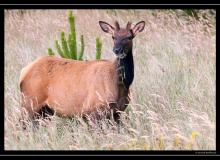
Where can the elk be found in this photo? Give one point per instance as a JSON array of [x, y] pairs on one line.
[[71, 87]]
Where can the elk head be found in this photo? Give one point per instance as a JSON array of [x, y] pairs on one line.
[[122, 37]]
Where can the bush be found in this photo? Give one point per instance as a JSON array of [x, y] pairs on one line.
[[68, 48]]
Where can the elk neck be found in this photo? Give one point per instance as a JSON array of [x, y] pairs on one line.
[[125, 70]]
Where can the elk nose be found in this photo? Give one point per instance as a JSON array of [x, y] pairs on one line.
[[117, 50]]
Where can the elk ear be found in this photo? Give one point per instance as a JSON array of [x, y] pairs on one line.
[[139, 27], [106, 27]]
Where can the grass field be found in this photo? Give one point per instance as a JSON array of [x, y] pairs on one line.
[[173, 103]]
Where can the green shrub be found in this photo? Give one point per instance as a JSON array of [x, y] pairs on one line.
[[68, 48], [98, 48]]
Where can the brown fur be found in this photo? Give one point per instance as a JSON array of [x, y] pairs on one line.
[[70, 87]]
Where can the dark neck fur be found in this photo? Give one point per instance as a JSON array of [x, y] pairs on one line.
[[128, 64]]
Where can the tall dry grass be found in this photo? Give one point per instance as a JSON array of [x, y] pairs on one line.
[[173, 93]]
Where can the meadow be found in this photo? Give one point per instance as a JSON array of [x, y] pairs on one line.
[[173, 105]]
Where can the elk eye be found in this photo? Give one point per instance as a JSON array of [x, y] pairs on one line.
[[113, 37], [130, 38]]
